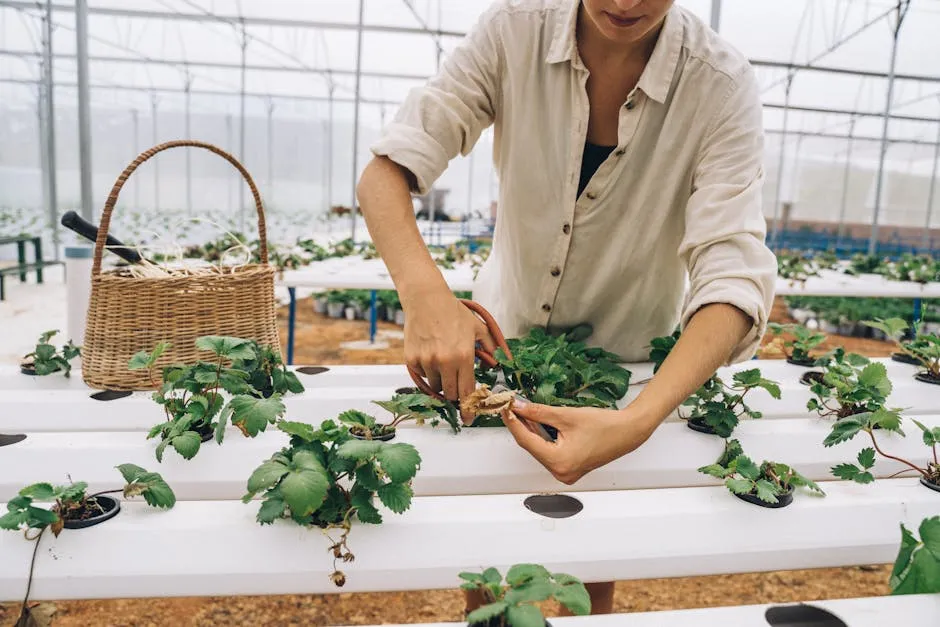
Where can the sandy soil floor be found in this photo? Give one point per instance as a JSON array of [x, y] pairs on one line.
[[318, 342]]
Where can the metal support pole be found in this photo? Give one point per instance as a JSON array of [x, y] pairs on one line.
[[845, 183], [241, 132], [48, 101], [355, 142], [329, 152], [84, 107], [326, 162], [270, 185], [716, 15], [291, 321], [43, 156], [783, 151], [156, 162], [930, 194], [901, 12], [189, 135], [228, 146], [135, 148]]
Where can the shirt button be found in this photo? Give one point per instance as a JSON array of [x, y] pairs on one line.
[[591, 195], [630, 105], [566, 228], [620, 152], [556, 271], [546, 307]]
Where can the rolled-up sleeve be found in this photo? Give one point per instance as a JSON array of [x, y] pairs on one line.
[[724, 242], [446, 116]]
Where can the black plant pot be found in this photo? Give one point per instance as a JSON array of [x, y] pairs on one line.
[[497, 622], [111, 507], [904, 358], [801, 615], [928, 484], [698, 424], [407, 391], [7, 439], [312, 370], [206, 432], [811, 377], [806, 363], [382, 438], [110, 395], [782, 500], [926, 377]]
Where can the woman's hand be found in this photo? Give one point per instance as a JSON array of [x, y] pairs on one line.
[[440, 338], [588, 437]]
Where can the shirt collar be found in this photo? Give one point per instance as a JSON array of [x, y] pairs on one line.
[[658, 74]]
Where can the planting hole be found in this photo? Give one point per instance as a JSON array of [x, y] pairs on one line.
[[407, 391], [927, 484], [6, 438], [802, 616], [110, 508], [110, 395], [312, 370], [553, 505]]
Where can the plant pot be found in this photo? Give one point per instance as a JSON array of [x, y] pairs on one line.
[[926, 377], [497, 622], [904, 358], [827, 327], [27, 367], [400, 317], [407, 391], [846, 329], [206, 432], [351, 313], [879, 335], [806, 363], [111, 507], [312, 370], [319, 305], [811, 377], [335, 310], [699, 424], [381, 438], [6, 439], [782, 500], [110, 395], [927, 484]]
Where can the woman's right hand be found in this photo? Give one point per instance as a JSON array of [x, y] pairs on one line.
[[440, 338]]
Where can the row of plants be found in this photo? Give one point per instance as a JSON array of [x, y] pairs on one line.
[[846, 316], [799, 266], [354, 304]]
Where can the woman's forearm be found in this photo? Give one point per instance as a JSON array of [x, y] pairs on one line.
[[385, 197], [705, 345]]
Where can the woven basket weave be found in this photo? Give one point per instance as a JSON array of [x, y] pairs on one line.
[[128, 314]]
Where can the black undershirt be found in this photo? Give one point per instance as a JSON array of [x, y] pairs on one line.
[[592, 159]]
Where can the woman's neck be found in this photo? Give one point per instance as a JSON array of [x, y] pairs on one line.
[[597, 50]]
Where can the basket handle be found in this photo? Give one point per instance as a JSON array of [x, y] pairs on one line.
[[147, 154]]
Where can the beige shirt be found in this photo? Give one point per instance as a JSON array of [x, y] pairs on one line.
[[671, 221]]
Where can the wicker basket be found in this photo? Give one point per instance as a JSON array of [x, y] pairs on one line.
[[129, 314]]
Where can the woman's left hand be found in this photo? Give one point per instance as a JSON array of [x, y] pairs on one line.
[[588, 437]]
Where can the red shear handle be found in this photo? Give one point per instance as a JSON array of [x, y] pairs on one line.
[[485, 357]]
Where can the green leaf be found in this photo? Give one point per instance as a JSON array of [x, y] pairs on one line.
[[843, 431], [921, 577], [151, 485], [400, 461], [747, 378], [473, 577], [525, 616], [931, 436], [359, 450], [715, 470], [39, 492], [396, 496], [930, 536], [886, 419], [532, 592], [766, 491], [266, 476], [520, 573], [301, 430], [740, 486], [746, 468], [254, 414], [187, 444], [866, 457], [854, 359], [491, 575], [293, 383], [367, 477], [875, 375], [483, 614], [272, 508], [366, 512], [131, 472], [356, 417], [847, 472], [304, 488], [230, 347], [571, 593]]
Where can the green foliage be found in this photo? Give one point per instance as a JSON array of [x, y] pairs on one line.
[[851, 385], [768, 481], [917, 567], [251, 376], [69, 501], [795, 267], [421, 408], [553, 370], [721, 406], [526, 584], [660, 347], [802, 340], [326, 478], [45, 360]]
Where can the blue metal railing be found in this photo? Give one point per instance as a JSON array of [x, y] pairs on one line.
[[894, 246]]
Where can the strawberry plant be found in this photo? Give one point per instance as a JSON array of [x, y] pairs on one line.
[[325, 478], [923, 349], [660, 347], [717, 407], [418, 407], [553, 370], [886, 420], [192, 395], [851, 384], [512, 604], [45, 360], [795, 267], [802, 342], [917, 567], [771, 484]]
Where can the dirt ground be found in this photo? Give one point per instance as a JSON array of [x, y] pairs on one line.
[[318, 342]]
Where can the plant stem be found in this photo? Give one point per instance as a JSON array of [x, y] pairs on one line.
[[32, 566], [897, 459], [104, 492]]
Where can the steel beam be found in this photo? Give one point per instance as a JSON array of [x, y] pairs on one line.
[[783, 146], [48, 102], [858, 114], [716, 15], [84, 106], [932, 190], [355, 140], [845, 184], [828, 69]]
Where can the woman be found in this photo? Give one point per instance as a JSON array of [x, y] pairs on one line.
[[629, 149]]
